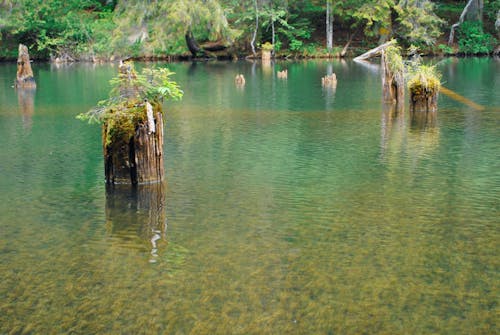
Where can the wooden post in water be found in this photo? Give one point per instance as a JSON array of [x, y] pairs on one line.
[[24, 76], [133, 138]]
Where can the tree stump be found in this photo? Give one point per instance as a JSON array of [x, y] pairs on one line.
[[133, 137], [423, 96], [135, 158], [392, 78], [24, 76]]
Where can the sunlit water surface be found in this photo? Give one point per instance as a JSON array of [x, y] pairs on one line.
[[287, 208]]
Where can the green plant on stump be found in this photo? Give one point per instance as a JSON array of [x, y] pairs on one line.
[[424, 83], [394, 59], [423, 80], [125, 108]]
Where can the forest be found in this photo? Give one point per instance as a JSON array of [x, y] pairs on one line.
[[103, 30]]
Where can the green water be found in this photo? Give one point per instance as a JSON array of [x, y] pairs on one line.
[[288, 209]]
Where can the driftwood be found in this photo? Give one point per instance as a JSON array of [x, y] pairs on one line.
[[24, 76], [374, 52]]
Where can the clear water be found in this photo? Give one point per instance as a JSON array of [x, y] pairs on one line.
[[288, 209]]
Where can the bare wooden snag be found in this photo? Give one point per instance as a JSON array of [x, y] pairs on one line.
[[24, 76]]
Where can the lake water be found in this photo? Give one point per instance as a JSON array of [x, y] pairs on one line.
[[287, 208]]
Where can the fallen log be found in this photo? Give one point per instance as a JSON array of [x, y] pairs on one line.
[[374, 52]]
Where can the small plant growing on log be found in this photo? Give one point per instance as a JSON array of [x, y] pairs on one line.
[[423, 80], [124, 109], [132, 125], [424, 83]]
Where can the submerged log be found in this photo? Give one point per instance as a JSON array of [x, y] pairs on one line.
[[24, 76]]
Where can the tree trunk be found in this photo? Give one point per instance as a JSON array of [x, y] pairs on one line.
[[329, 25], [24, 76], [192, 45], [254, 36], [472, 11], [374, 52]]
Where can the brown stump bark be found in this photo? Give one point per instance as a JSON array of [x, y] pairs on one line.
[[24, 76], [423, 100], [392, 83], [137, 159]]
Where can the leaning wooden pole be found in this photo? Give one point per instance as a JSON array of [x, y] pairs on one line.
[[24, 75]]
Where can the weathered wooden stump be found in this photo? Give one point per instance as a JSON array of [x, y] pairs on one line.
[[423, 94], [133, 153], [329, 81], [24, 76], [392, 75], [282, 74], [132, 137], [239, 80]]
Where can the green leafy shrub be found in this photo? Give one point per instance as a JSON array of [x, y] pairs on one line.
[[446, 49], [472, 40]]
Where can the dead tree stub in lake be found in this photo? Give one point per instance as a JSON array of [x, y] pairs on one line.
[[24, 75]]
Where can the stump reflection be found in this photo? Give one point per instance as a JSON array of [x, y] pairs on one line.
[[136, 216], [26, 101], [422, 120]]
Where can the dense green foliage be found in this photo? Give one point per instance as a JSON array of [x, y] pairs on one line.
[[473, 40], [89, 29]]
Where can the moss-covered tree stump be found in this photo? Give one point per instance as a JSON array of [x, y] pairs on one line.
[[133, 152], [424, 85], [423, 95], [24, 75], [132, 125]]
